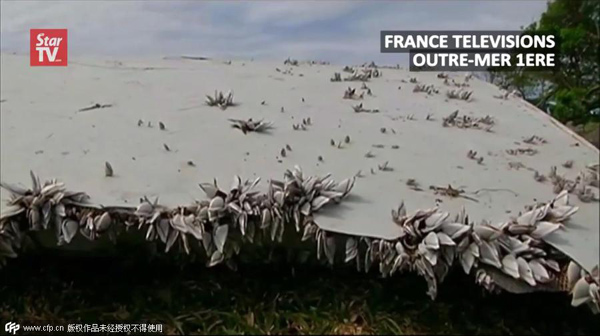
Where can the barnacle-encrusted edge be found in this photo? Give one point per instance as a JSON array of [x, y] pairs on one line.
[[511, 255]]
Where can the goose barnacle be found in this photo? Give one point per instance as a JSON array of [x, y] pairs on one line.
[[108, 169], [220, 100]]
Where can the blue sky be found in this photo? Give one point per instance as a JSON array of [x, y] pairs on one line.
[[336, 31]]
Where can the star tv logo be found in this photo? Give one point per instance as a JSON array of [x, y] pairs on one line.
[[48, 47]]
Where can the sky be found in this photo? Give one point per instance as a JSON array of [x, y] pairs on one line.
[[335, 31]]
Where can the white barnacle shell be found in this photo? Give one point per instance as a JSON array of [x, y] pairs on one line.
[[309, 184], [243, 223], [332, 195], [543, 229], [305, 209], [399, 248], [445, 239], [594, 304], [561, 213], [519, 229], [274, 227], [220, 237], [319, 202], [151, 233], [178, 223], [12, 210], [171, 239], [489, 254], [237, 184], [510, 266], [468, 257], [162, 229], [431, 241], [550, 264], [525, 271], [103, 222], [266, 218], [216, 204], [562, 199], [50, 189], [435, 220], [542, 212], [581, 293], [145, 209], [540, 273], [203, 213], [527, 218], [430, 255], [351, 249], [330, 248], [59, 210], [573, 274], [69, 229], [192, 227], [345, 186], [209, 189], [309, 231], [487, 232], [279, 197], [13, 189], [455, 230], [216, 258], [514, 245], [399, 263], [401, 212]]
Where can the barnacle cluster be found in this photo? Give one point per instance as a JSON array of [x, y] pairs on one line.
[[522, 151], [429, 89], [459, 94], [579, 186], [303, 126], [453, 119], [534, 140], [510, 255], [364, 75], [220, 100], [337, 77], [456, 84], [360, 109], [292, 62], [350, 93], [348, 69], [584, 287], [294, 200], [431, 241], [250, 125]]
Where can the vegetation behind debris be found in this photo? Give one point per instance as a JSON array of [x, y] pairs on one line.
[[570, 93]]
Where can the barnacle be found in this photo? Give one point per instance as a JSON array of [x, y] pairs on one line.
[[459, 94], [220, 100]]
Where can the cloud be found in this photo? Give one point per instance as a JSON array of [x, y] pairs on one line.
[[296, 13], [339, 31]]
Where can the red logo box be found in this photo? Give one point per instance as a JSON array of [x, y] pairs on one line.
[[48, 47]]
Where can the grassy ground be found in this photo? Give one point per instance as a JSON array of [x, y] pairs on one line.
[[270, 299]]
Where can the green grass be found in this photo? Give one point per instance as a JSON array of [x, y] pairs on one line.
[[270, 299]]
